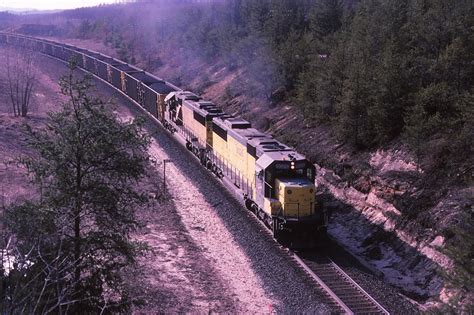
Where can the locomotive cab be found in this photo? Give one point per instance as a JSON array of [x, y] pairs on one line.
[[285, 196]]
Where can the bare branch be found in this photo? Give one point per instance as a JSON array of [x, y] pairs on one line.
[[21, 77]]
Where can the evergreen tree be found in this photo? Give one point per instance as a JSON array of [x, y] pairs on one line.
[[418, 127], [75, 241], [352, 122], [460, 278], [326, 18], [389, 95]]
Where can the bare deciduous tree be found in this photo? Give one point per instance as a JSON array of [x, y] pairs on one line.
[[21, 76]]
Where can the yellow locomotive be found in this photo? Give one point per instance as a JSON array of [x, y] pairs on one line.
[[277, 182]]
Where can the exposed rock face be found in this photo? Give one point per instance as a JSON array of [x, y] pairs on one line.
[[367, 219]]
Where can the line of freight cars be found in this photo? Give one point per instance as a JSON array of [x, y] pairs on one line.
[[277, 183]]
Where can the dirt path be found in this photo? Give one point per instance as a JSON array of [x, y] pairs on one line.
[[176, 277]]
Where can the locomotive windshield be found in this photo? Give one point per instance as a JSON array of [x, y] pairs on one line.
[[290, 169], [287, 169]]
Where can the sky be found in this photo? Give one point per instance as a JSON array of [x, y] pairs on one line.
[[51, 4]]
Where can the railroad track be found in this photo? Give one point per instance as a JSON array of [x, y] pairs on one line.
[[343, 292]]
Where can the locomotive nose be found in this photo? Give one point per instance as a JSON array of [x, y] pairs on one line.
[[297, 197]]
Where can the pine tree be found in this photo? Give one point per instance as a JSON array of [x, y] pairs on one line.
[[326, 18], [75, 241], [460, 278]]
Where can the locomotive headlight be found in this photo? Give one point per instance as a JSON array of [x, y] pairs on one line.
[[292, 165]]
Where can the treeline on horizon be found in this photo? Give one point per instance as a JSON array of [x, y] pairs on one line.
[[372, 70]]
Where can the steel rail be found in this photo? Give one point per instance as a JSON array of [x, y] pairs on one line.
[[344, 290], [353, 282], [323, 285]]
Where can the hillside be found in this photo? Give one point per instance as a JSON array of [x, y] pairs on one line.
[[378, 94]]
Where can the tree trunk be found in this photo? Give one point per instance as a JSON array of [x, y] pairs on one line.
[[77, 246], [77, 228]]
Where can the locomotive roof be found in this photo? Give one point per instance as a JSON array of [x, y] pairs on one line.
[[244, 135], [256, 141], [208, 106], [267, 158], [229, 122], [204, 108], [183, 95], [272, 146], [186, 95], [237, 123]]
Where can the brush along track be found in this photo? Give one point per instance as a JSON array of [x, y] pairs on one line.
[[345, 293]]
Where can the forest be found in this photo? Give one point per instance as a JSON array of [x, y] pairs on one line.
[[373, 71]]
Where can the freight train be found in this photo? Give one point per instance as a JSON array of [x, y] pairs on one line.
[[275, 181]]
